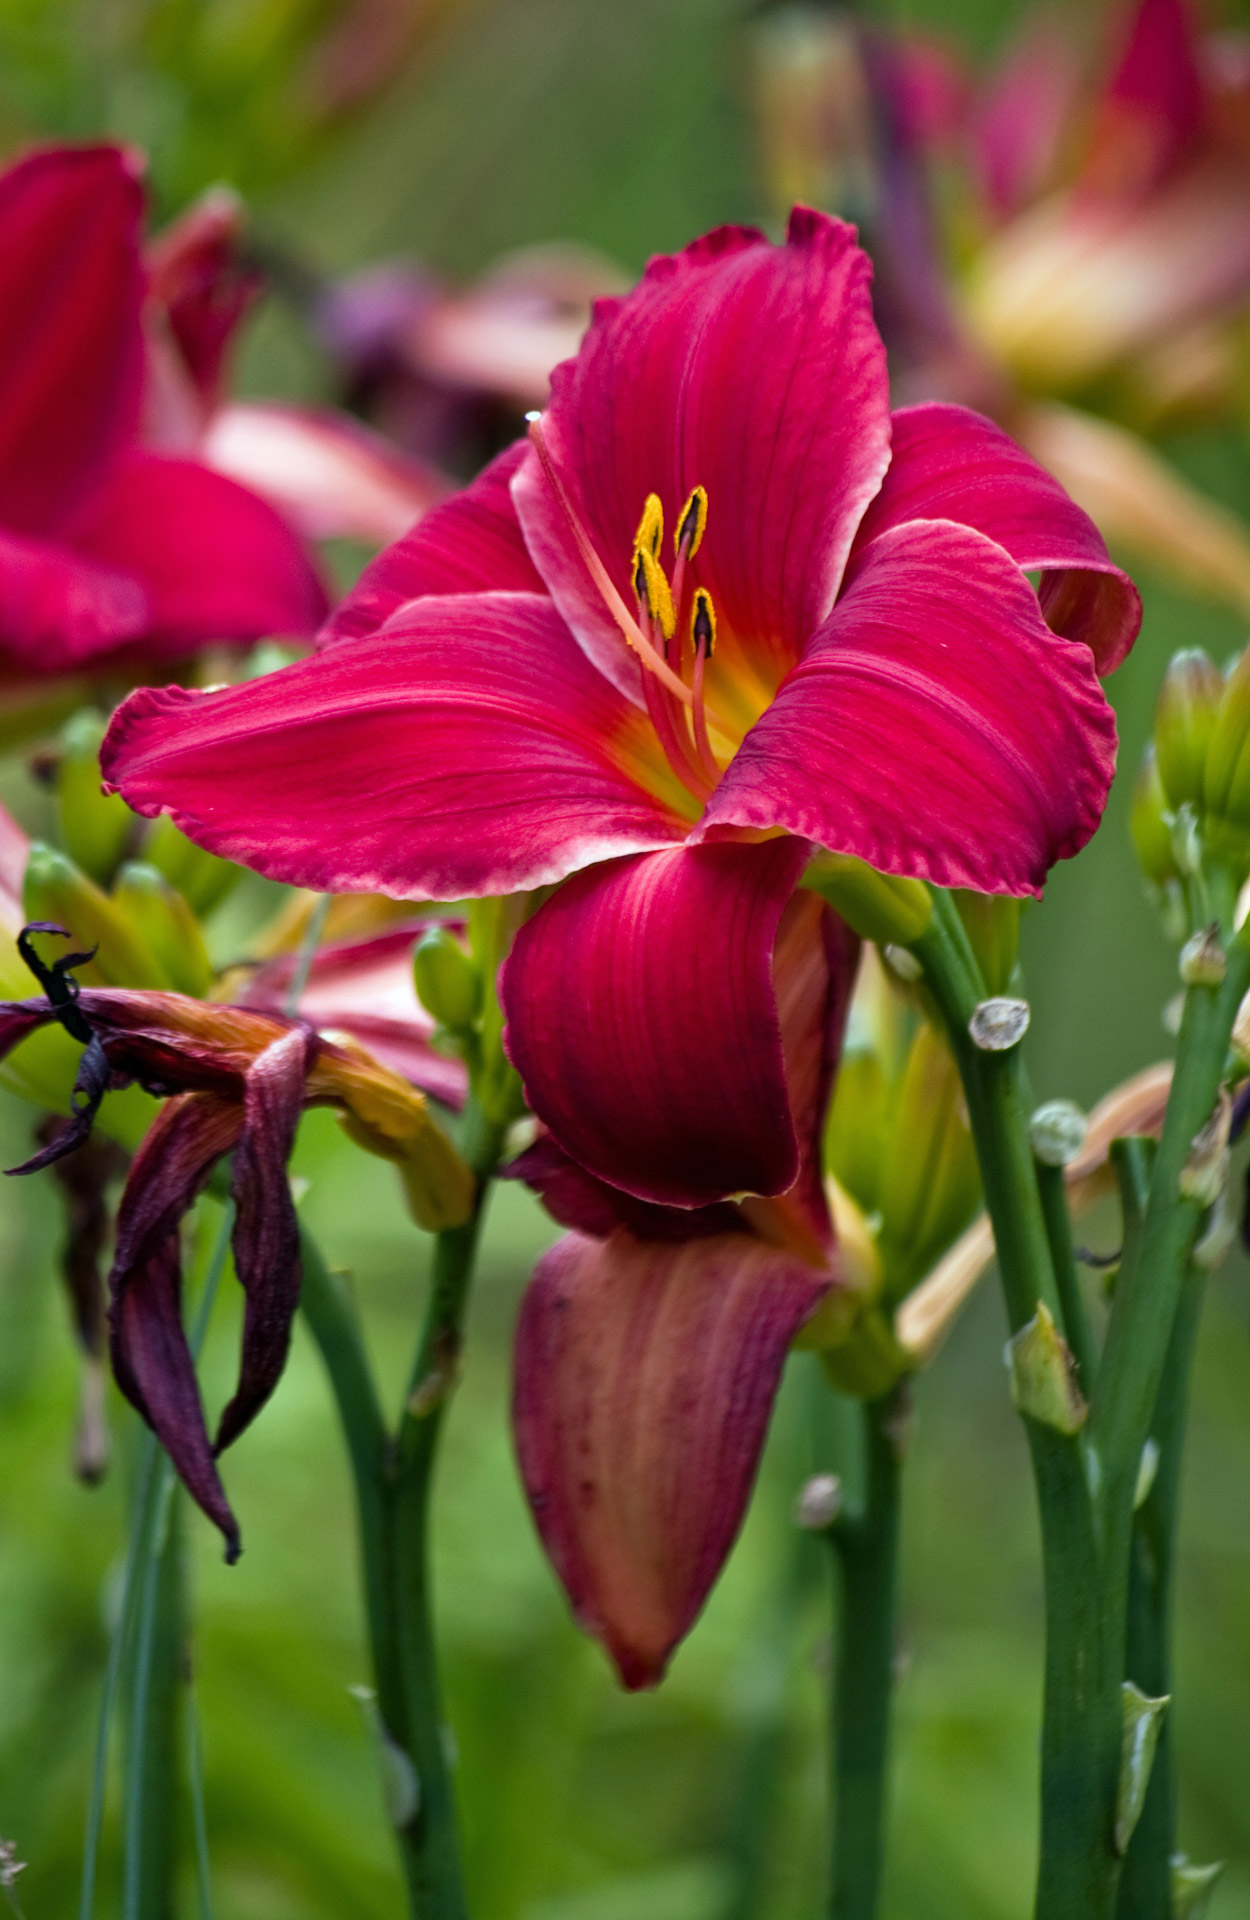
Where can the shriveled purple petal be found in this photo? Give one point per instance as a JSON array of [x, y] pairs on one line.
[[266, 1232], [645, 1375]]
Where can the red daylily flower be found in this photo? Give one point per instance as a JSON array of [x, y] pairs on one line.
[[848, 655], [103, 544], [237, 1082]]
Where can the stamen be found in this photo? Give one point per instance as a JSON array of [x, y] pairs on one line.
[[691, 525], [633, 635], [651, 586], [703, 635], [650, 532]]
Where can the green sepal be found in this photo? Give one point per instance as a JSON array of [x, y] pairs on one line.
[[1043, 1375], [1139, 1737], [886, 908], [1192, 1886]]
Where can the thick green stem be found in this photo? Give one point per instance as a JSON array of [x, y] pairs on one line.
[[866, 1548], [1146, 1883], [392, 1476]]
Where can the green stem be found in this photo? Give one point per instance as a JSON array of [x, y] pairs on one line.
[[153, 1773], [393, 1477], [1146, 1883], [1052, 1189], [866, 1548]]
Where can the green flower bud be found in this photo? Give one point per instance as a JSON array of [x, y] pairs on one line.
[[201, 878], [1192, 1886], [882, 907], [1202, 959], [1185, 720], [449, 984], [55, 889], [992, 924], [95, 827], [1151, 831], [166, 923]]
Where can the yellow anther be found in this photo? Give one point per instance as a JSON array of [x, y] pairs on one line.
[[651, 586], [691, 524], [703, 623], [650, 534]]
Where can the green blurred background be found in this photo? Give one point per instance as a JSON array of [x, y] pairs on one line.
[[510, 121]]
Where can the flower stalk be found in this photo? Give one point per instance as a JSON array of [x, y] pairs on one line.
[[1087, 1479]]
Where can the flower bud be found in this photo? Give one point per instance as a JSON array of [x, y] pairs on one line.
[[166, 923], [819, 1502], [1057, 1133], [1043, 1376], [449, 984], [1192, 1886], [992, 924], [1152, 834], [1205, 1172], [1226, 780], [201, 878], [1185, 719], [55, 889], [999, 1024], [95, 827], [1140, 1730], [882, 907], [1202, 961]]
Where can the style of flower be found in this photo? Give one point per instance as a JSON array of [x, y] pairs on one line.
[[105, 545], [722, 610], [236, 1083]]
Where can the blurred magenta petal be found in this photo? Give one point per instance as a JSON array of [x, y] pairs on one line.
[[266, 1231], [470, 544], [645, 1376], [642, 1019], [151, 1358], [331, 476], [71, 347], [200, 286], [365, 988], [949, 463], [1020, 122], [935, 726], [470, 748], [217, 562], [58, 608], [753, 371], [1154, 105]]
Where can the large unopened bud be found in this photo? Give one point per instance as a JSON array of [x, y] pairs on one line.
[[55, 889], [1185, 718], [448, 981], [1226, 783]]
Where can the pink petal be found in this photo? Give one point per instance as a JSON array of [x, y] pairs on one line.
[[645, 1376], [752, 370], [1155, 104], [199, 282], [266, 1231], [58, 608], [71, 347], [952, 464], [470, 544], [935, 727], [330, 475], [471, 748], [217, 562], [151, 1358], [365, 988], [1019, 125], [642, 1019]]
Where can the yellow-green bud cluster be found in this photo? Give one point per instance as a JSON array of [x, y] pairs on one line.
[[1191, 804]]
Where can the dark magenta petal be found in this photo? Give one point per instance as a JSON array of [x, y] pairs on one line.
[[952, 464], [71, 345], [201, 284], [151, 1358], [469, 749], [751, 370], [470, 544], [643, 1021], [645, 1376], [266, 1231], [218, 563], [936, 727], [1154, 105], [576, 1199], [58, 608], [365, 988]]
